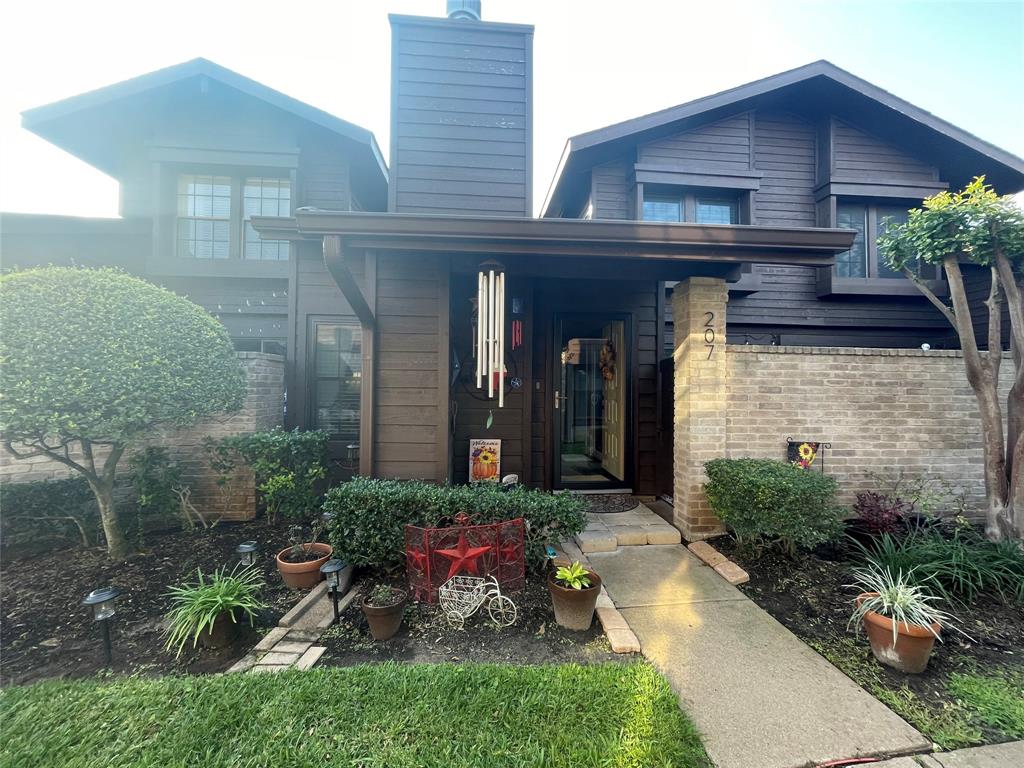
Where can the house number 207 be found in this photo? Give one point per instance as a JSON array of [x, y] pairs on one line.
[[709, 332]]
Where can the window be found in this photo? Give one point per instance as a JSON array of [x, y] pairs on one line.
[[264, 197], [687, 206], [870, 222], [213, 210], [854, 262], [336, 380], [887, 216], [717, 211], [204, 217], [663, 209]]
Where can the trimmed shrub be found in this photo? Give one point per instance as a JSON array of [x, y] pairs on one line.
[[368, 517], [154, 476], [288, 466], [763, 500], [48, 514]]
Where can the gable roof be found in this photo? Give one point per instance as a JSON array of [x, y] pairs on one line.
[[841, 90], [55, 121]]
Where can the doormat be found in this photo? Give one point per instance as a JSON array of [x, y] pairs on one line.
[[604, 503]]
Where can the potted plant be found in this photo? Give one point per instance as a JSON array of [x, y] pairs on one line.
[[299, 563], [208, 610], [574, 592], [384, 607], [900, 620]]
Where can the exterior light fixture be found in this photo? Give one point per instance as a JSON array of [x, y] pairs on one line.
[[490, 330], [103, 609], [352, 453], [246, 552], [926, 346], [332, 572]]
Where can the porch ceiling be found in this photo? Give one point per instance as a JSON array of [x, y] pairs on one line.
[[626, 242]]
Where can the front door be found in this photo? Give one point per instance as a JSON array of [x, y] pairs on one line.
[[592, 401]]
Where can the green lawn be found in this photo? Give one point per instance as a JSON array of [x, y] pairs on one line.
[[383, 716]]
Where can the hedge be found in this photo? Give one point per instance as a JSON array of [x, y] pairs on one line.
[[763, 500], [369, 516], [48, 514]]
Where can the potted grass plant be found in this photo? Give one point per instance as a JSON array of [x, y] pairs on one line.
[[900, 619], [384, 608], [574, 591], [208, 610]]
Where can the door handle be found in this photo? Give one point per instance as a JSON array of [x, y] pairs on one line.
[[559, 398]]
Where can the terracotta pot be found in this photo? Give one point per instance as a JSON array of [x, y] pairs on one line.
[[574, 608], [306, 574], [221, 634], [384, 620], [913, 646]]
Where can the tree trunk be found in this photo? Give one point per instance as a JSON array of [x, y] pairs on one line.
[[117, 542], [996, 485]]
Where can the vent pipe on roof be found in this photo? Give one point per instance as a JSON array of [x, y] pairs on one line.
[[464, 9]]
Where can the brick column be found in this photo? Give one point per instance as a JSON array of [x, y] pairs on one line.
[[698, 313]]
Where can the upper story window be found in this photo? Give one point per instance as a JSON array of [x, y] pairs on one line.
[[204, 216], [214, 216], [870, 222], [265, 197], [694, 207]]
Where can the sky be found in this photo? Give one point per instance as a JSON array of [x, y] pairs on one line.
[[596, 62]]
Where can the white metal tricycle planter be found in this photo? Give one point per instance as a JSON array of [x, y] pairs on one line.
[[462, 596]]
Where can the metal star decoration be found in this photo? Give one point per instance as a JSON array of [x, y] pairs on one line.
[[463, 557]]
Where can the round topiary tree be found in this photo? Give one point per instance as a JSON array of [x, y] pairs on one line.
[[92, 360]]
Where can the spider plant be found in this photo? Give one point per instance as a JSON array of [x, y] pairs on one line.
[[897, 598], [196, 605]]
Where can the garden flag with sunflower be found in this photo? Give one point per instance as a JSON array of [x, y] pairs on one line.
[[802, 454], [484, 461]]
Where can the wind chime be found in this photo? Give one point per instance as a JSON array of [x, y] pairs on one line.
[[490, 329]]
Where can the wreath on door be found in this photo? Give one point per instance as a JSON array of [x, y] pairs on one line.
[[606, 361]]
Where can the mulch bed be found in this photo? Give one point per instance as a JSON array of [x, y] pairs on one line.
[[47, 632], [809, 597], [604, 503], [425, 636]]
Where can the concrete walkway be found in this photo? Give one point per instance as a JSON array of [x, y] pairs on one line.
[[759, 696], [1008, 755]]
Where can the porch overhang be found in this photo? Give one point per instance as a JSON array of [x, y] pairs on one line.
[[674, 250]]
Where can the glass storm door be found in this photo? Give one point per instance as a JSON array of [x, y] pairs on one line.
[[592, 406]]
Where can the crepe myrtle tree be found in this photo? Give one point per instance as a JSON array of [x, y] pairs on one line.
[[93, 360], [976, 226]]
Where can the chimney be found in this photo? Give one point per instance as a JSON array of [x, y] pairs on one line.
[[461, 114], [464, 9]]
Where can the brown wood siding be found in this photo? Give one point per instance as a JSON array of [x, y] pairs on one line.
[[720, 146], [785, 152], [471, 406], [411, 359], [640, 301], [859, 155], [324, 179], [610, 191], [461, 119]]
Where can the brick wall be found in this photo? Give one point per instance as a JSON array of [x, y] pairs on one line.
[[883, 410], [263, 409]]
